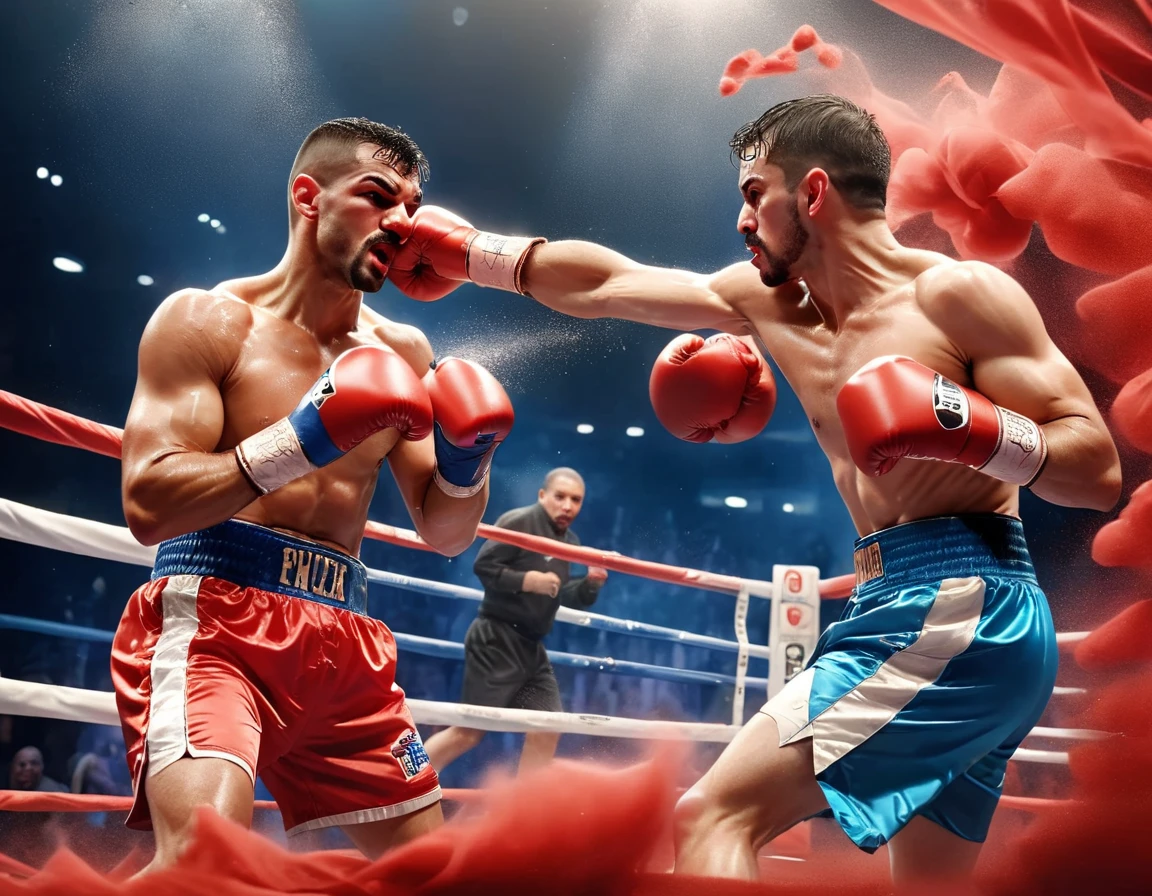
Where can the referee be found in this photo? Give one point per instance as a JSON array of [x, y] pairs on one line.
[[505, 663]]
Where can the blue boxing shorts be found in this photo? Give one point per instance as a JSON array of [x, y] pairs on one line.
[[942, 662]]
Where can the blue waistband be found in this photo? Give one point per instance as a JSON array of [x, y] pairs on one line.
[[943, 547], [252, 556]]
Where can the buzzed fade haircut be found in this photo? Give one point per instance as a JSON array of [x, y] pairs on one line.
[[822, 131], [333, 144], [562, 473]]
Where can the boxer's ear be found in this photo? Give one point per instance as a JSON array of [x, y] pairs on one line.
[[812, 192]]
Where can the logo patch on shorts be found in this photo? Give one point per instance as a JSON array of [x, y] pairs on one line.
[[322, 391], [950, 403], [410, 754]]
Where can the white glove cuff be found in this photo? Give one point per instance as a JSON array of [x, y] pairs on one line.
[[1019, 457], [495, 260]]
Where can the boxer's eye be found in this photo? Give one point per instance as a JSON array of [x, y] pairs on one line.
[[377, 200]]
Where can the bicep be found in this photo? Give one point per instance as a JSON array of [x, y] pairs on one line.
[[1014, 361]]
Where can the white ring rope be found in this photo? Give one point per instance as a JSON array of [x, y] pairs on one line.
[[75, 535], [43, 528], [27, 698]]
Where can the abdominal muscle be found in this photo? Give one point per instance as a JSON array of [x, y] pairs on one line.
[[918, 489], [329, 505]]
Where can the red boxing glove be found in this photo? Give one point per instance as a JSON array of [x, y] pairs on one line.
[[444, 250], [367, 389], [895, 407], [472, 415], [717, 388]]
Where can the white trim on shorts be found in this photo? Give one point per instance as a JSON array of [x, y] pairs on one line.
[[948, 631], [167, 736], [362, 816]]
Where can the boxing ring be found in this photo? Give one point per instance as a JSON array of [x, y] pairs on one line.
[[794, 595]]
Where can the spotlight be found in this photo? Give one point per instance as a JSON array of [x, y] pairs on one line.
[[145, 280], [67, 265], [203, 219], [55, 180], [634, 431], [735, 501], [41, 173], [788, 507], [585, 428]]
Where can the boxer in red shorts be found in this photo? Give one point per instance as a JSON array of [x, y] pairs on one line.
[[264, 409]]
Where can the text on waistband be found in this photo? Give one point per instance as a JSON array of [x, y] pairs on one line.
[[869, 566], [314, 572]]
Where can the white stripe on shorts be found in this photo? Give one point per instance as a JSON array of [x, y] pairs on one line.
[[947, 632], [167, 738]]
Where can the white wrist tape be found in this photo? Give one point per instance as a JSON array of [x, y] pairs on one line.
[[459, 491], [495, 260], [273, 457], [1020, 454]]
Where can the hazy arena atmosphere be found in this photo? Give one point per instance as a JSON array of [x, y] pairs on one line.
[[572, 446]]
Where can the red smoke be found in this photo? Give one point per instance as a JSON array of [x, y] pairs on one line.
[[1060, 143]]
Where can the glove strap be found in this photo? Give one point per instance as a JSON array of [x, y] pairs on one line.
[[462, 471], [495, 260], [273, 457], [1021, 452]]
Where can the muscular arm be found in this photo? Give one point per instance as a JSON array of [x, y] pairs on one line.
[[173, 480], [448, 524], [587, 280], [993, 322]]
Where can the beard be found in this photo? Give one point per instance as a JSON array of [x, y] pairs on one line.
[[362, 273], [779, 265]]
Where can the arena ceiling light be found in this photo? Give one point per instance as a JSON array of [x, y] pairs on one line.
[[585, 428], [42, 173], [67, 265], [145, 280], [788, 507], [634, 431], [736, 501]]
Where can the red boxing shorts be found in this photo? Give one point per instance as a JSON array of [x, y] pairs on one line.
[[253, 646]]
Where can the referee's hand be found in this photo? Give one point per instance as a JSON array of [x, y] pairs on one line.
[[546, 583]]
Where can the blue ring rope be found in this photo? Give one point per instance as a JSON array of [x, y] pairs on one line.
[[431, 647]]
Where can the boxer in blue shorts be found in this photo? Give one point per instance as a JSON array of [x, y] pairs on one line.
[[936, 394]]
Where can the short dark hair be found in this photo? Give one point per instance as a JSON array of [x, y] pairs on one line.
[[822, 131], [337, 139]]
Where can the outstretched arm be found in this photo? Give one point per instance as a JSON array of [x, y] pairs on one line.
[[588, 280], [573, 277]]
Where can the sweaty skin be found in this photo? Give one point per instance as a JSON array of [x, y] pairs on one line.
[[870, 298], [216, 366]]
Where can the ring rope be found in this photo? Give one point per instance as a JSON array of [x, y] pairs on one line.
[[26, 698], [43, 528], [50, 424]]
